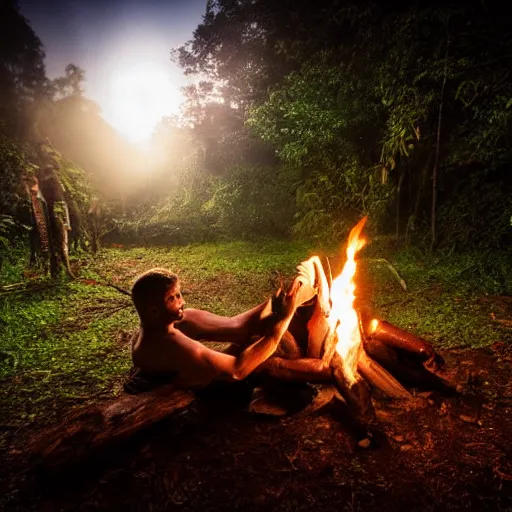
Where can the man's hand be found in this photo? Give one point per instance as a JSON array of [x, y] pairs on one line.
[[310, 282], [285, 304]]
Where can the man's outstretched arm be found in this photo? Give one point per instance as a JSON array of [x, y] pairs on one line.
[[204, 325], [201, 365]]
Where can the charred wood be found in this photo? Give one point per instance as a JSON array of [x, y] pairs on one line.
[[380, 378], [355, 392], [403, 340]]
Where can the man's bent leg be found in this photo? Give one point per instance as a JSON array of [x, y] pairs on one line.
[[299, 370]]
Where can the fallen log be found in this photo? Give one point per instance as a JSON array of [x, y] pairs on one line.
[[86, 431]]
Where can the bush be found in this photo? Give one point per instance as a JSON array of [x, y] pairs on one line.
[[252, 202], [476, 215]]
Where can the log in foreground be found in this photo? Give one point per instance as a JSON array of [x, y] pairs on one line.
[[99, 426], [95, 426]]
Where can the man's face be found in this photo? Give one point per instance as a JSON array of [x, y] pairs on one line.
[[173, 303]]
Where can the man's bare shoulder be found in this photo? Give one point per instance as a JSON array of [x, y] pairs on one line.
[[162, 351]]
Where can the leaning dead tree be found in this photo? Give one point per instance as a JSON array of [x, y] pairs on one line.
[[50, 216]]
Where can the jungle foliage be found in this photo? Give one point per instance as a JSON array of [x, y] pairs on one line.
[[401, 110], [308, 116], [48, 198]]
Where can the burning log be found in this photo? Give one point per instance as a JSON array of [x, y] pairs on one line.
[[380, 378], [403, 340], [353, 385], [411, 358], [406, 368], [354, 391], [352, 369]]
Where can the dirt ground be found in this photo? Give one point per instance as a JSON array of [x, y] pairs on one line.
[[436, 453]]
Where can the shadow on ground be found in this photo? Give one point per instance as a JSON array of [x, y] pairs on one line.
[[435, 453]]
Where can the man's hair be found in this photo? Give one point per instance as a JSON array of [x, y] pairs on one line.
[[151, 285]]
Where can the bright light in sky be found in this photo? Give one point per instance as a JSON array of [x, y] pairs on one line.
[[123, 46], [137, 98]]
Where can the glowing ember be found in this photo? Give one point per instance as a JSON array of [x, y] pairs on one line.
[[373, 325], [343, 316]]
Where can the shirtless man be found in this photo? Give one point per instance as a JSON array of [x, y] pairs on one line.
[[166, 342]]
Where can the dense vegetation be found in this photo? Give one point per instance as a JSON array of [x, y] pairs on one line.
[[309, 116], [399, 110]]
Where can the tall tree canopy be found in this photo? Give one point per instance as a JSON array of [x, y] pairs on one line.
[[22, 71], [399, 110]]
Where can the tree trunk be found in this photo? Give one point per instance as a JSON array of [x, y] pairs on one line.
[[398, 190], [58, 222], [39, 235], [435, 171]]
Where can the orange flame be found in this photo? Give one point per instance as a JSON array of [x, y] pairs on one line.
[[343, 316]]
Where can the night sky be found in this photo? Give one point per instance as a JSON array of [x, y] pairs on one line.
[[106, 38]]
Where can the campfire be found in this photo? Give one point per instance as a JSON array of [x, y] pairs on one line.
[[370, 355], [366, 357]]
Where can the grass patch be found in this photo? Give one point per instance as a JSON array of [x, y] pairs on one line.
[[65, 343], [60, 346], [452, 300], [13, 268]]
